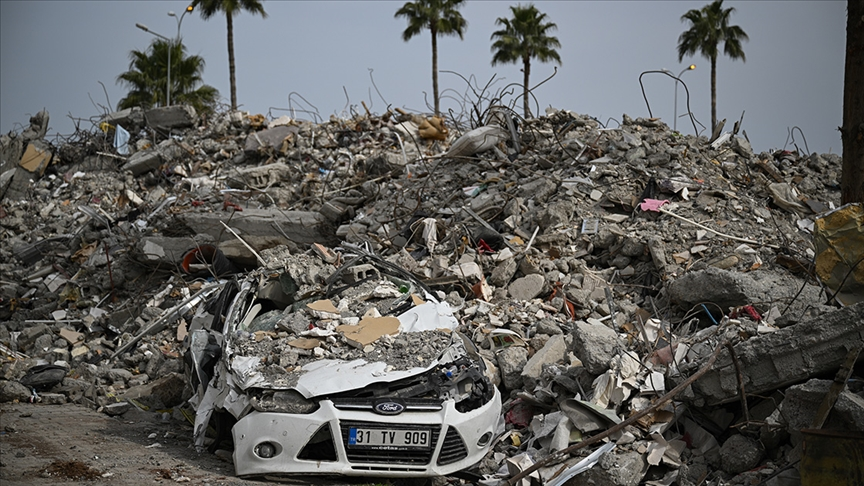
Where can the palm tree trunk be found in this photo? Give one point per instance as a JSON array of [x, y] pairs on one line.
[[526, 70], [435, 69], [231, 67], [713, 92], [852, 132]]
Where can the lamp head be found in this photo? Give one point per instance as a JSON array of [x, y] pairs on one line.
[[691, 67], [142, 27], [190, 8], [171, 14]]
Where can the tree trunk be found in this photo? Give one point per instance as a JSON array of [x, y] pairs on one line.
[[435, 69], [852, 132], [231, 67], [526, 70], [713, 92]]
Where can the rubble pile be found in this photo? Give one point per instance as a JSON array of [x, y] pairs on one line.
[[596, 268]]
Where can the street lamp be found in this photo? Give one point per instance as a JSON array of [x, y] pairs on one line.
[[180, 19], [168, 82], [688, 68], [170, 47]]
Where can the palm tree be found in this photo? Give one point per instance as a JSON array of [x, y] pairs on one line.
[[709, 27], [523, 37], [440, 17], [229, 8], [147, 75]]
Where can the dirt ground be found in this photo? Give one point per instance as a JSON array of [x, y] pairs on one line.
[[62, 444], [51, 444]]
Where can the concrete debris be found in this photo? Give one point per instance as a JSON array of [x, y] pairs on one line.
[[562, 274]]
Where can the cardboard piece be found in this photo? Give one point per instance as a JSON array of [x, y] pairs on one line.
[[35, 159], [71, 336], [369, 330], [305, 343], [323, 306]]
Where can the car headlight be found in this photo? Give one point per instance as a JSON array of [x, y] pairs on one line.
[[283, 401]]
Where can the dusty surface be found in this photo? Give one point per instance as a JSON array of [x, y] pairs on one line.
[[55, 444], [62, 444]]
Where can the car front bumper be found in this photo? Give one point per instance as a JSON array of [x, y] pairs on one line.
[[459, 440]]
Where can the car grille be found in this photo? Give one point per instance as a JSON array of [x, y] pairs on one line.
[[453, 449], [367, 404], [412, 457]]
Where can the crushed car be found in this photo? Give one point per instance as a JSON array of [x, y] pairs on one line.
[[354, 369]]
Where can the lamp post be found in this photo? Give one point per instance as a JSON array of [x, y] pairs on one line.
[[168, 81], [180, 19], [688, 68]]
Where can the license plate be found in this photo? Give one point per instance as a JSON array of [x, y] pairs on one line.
[[389, 438]]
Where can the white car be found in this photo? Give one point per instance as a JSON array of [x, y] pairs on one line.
[[400, 394]]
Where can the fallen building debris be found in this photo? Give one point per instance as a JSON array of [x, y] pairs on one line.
[[546, 300]]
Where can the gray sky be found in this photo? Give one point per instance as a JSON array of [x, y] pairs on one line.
[[54, 53]]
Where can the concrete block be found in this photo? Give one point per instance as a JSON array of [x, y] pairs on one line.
[[170, 117], [271, 138], [53, 398], [790, 355], [12, 390], [302, 227], [502, 273], [259, 177], [613, 469], [553, 351], [116, 409], [167, 251], [594, 345], [802, 401], [132, 119], [142, 162], [164, 392], [29, 335], [740, 453], [511, 361], [14, 184], [527, 287]]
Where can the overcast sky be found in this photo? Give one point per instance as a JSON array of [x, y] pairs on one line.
[[53, 54]]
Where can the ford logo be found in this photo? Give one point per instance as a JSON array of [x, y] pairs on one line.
[[389, 408]]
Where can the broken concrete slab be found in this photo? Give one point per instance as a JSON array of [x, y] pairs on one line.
[[302, 227], [143, 162], [729, 289], [132, 119], [167, 251], [270, 138], [170, 117], [802, 402], [789, 355]]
